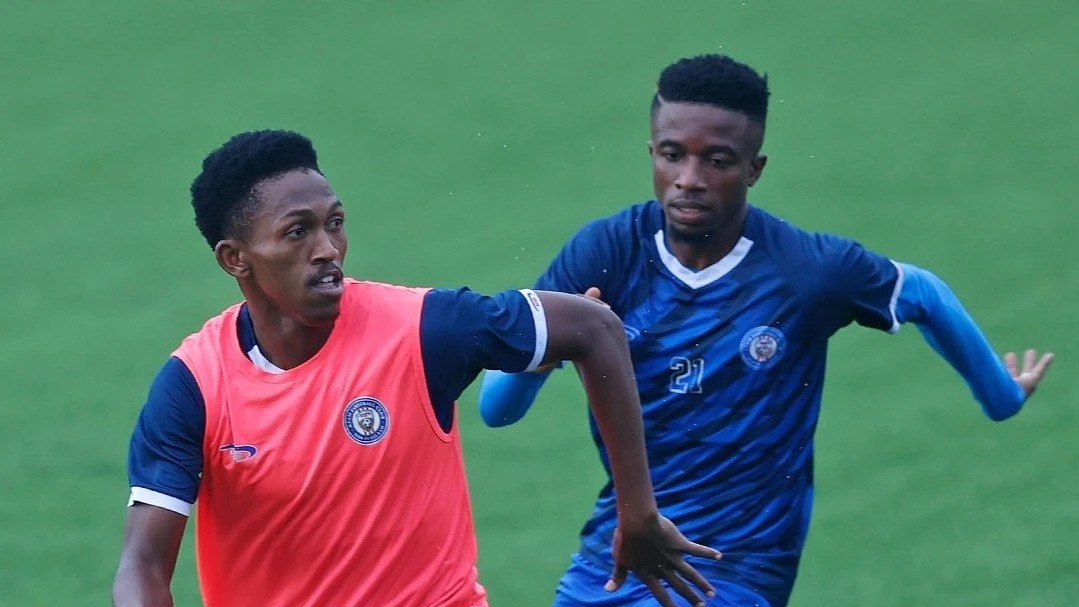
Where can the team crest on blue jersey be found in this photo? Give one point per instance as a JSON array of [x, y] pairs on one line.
[[762, 347], [366, 420], [240, 453]]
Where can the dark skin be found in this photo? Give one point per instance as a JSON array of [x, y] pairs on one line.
[[288, 266], [704, 160]]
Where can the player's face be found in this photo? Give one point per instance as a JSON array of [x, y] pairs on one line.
[[704, 158], [296, 247]]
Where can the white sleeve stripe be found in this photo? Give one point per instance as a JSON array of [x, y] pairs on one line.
[[540, 318], [895, 298], [143, 495]]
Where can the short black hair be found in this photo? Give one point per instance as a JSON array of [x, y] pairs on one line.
[[714, 80], [223, 193]]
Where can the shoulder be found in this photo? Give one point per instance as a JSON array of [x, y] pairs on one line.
[[793, 246], [175, 396], [384, 297], [622, 227], [195, 343]]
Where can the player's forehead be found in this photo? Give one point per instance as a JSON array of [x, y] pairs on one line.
[[293, 191], [699, 124]]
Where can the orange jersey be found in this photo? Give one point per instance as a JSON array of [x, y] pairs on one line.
[[331, 483]]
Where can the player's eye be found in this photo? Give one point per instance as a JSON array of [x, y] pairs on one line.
[[720, 163], [336, 222], [296, 233], [670, 156]]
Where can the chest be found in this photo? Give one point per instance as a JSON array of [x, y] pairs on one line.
[[355, 423]]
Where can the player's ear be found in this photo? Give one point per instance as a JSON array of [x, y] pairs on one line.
[[230, 256], [651, 148], [756, 167]]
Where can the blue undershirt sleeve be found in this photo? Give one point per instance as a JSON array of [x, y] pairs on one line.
[[930, 304]]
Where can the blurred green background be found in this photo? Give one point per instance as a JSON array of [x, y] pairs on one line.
[[468, 140]]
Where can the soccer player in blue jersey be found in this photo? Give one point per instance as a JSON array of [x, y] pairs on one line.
[[728, 310]]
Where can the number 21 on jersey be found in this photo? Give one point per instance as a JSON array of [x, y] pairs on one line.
[[686, 375]]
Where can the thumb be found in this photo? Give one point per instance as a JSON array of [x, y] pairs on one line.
[[592, 292], [618, 577]]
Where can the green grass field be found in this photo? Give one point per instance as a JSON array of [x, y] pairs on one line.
[[468, 139]]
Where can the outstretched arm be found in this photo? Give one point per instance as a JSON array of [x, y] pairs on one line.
[[1000, 386]]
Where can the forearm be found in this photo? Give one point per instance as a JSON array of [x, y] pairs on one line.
[[607, 376], [138, 584], [948, 328], [592, 336]]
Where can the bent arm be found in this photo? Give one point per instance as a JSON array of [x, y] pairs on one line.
[[152, 538], [933, 307], [592, 336]]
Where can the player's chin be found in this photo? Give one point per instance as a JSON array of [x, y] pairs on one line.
[[321, 313]]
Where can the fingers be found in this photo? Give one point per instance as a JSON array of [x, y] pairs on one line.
[[687, 571], [1011, 364], [1028, 361], [681, 587], [660, 592], [618, 577], [1043, 365], [702, 551], [592, 292]]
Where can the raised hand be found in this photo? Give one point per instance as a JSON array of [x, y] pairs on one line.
[[1032, 373]]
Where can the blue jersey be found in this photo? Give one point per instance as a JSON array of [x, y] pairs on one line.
[[730, 364], [461, 333]]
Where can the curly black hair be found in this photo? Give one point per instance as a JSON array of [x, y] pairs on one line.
[[714, 80], [223, 193]]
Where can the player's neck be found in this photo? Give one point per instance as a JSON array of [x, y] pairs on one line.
[[701, 251], [283, 341]]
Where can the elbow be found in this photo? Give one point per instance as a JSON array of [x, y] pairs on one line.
[[598, 330], [1000, 414], [494, 417]]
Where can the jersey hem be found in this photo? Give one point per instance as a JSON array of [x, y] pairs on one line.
[[142, 495], [539, 317]]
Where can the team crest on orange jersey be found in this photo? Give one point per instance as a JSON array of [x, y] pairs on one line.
[[366, 420]]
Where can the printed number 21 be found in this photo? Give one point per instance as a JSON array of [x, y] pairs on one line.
[[686, 375]]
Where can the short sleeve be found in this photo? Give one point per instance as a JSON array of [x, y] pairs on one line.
[[863, 285], [463, 332], [165, 454]]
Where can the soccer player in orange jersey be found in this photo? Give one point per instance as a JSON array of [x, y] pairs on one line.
[[311, 426]]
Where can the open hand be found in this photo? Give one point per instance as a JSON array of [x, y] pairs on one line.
[[653, 551], [1031, 374]]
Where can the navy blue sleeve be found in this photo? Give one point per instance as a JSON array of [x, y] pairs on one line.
[[463, 332], [588, 259], [933, 307], [862, 285], [165, 456]]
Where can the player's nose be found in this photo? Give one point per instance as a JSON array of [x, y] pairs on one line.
[[690, 177], [325, 248]]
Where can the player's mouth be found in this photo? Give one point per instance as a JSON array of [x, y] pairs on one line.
[[685, 211], [328, 282]]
